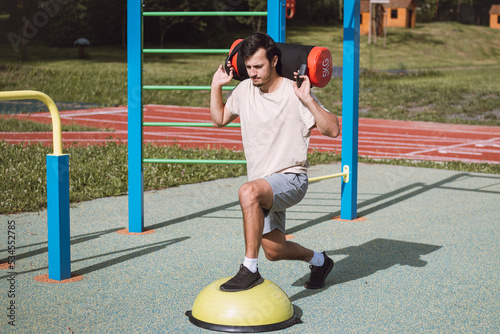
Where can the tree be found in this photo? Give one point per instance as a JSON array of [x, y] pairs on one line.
[[254, 21], [452, 9], [20, 19], [165, 23], [466, 11]]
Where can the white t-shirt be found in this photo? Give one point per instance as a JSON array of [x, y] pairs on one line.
[[275, 128]]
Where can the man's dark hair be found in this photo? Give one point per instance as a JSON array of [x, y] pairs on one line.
[[257, 41]]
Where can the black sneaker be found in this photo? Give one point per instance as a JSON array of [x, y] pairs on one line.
[[319, 274], [244, 280]]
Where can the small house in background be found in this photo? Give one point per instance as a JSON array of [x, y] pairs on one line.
[[495, 17], [378, 14], [364, 19], [389, 13], [401, 13]]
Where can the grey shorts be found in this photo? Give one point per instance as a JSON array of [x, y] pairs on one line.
[[288, 190]]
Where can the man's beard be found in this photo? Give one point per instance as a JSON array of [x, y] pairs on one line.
[[258, 84]]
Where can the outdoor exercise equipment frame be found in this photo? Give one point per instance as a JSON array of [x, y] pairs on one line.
[[276, 28], [58, 219]]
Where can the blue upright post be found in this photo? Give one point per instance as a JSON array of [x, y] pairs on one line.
[[350, 108], [276, 20], [58, 216], [135, 172]]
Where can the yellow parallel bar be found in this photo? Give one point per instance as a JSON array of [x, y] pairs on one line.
[[54, 112], [344, 175], [324, 177]]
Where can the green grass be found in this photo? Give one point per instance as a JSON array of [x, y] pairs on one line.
[[101, 171], [69, 80], [449, 74], [19, 125], [466, 96], [452, 73], [428, 46]]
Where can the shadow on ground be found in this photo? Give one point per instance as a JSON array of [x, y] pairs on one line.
[[366, 259]]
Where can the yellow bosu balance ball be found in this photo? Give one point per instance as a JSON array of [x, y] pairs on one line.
[[265, 307]]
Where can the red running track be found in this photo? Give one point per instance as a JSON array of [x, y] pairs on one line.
[[378, 139]]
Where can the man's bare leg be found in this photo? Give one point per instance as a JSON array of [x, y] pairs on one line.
[[255, 196], [276, 248]]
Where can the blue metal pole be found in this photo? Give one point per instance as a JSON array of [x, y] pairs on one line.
[[350, 108], [58, 217], [135, 172], [276, 20]]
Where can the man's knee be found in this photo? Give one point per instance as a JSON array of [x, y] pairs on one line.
[[255, 192], [273, 254], [248, 192], [274, 245]]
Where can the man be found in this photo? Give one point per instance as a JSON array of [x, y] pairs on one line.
[[276, 121]]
